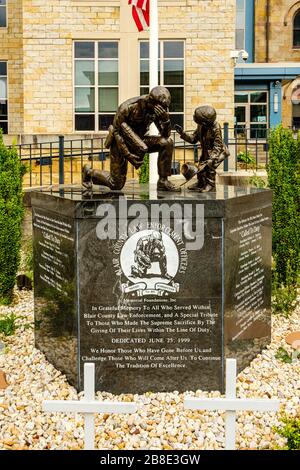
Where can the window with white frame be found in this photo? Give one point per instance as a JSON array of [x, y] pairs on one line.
[[96, 83], [3, 98], [240, 24], [251, 114], [3, 13], [170, 74]]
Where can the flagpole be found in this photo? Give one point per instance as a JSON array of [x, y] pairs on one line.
[[153, 81]]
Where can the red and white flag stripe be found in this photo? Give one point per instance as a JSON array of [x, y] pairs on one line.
[[141, 13]]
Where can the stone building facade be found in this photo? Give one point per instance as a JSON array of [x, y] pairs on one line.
[[56, 85], [274, 27], [272, 39], [277, 39], [11, 67]]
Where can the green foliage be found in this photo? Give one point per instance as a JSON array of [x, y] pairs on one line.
[[11, 214], [8, 324], [291, 431], [257, 181], [284, 297], [247, 158], [283, 355], [284, 180], [144, 170]]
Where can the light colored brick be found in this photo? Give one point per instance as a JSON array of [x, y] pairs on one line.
[[39, 44]]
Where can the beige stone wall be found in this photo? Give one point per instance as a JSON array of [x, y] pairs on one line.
[[11, 51], [287, 106], [43, 69], [209, 29], [49, 29], [280, 43], [281, 31]]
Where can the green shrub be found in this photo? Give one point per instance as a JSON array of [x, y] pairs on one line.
[[257, 181], [284, 179], [283, 355], [8, 324], [144, 171], [291, 431], [284, 297], [11, 214], [284, 300], [247, 158]]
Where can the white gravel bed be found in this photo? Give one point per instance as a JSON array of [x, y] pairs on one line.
[[160, 423]]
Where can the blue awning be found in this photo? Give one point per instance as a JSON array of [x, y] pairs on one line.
[[267, 71]]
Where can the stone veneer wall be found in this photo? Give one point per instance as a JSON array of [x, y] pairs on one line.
[[281, 36], [49, 29], [280, 43], [11, 51], [287, 106], [48, 58]]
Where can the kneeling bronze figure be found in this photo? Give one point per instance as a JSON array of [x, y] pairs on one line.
[[213, 149], [128, 141]]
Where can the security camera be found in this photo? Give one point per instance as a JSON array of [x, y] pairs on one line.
[[245, 56], [236, 55]]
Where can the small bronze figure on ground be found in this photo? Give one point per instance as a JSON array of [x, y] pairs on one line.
[[214, 151], [128, 141]]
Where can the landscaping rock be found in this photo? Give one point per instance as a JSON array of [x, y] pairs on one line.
[[3, 382], [160, 421]]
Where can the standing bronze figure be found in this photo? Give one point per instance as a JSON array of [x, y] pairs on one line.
[[214, 151], [128, 141]]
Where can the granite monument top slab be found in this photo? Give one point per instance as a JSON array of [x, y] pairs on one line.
[[134, 190]]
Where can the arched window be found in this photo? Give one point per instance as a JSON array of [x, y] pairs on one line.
[[296, 40]]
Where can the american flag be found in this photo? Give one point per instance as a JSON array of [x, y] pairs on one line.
[[140, 13]]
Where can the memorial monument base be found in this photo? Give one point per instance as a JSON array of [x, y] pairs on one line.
[[156, 290]]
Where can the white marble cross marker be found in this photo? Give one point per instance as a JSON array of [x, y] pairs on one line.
[[231, 404], [89, 406]]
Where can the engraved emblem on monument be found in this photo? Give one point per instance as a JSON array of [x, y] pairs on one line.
[[149, 261]]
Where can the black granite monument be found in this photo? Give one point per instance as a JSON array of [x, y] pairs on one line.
[[156, 290]]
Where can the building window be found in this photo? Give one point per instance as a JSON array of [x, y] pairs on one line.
[[3, 98], [296, 36], [170, 74], [3, 14], [251, 114], [296, 108], [240, 24], [96, 84]]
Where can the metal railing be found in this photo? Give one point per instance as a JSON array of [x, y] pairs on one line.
[[60, 161], [249, 147]]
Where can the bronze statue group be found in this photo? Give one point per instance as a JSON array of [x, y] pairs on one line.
[[129, 141]]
